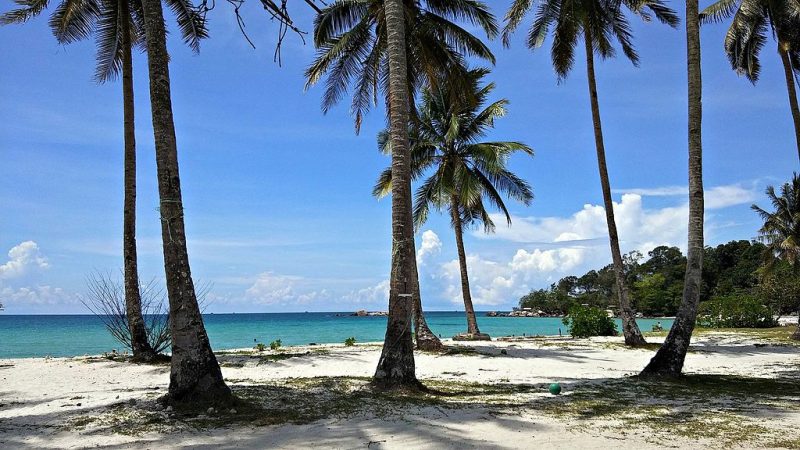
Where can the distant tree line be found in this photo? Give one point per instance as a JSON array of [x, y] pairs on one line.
[[733, 269]]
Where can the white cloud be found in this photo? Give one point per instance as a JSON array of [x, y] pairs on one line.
[[665, 191], [22, 259], [271, 289], [38, 295], [724, 196], [372, 295], [716, 197], [549, 248], [430, 245]]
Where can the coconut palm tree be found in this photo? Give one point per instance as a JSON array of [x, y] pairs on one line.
[[195, 375], [352, 38], [752, 21], [781, 229], [396, 368], [352, 41], [466, 170], [668, 360], [117, 27], [598, 21]]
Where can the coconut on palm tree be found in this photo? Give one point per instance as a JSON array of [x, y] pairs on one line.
[[353, 41], [781, 229], [753, 21], [597, 22], [117, 28], [462, 172]]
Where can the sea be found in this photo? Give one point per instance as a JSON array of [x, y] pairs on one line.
[[27, 336]]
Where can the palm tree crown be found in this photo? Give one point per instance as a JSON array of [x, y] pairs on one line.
[[604, 20], [76, 20], [466, 170], [352, 42], [781, 229], [752, 21]]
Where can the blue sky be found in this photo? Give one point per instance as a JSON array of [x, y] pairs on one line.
[[278, 207]]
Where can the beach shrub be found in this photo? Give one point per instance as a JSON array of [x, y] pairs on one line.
[[735, 311], [349, 342], [274, 345], [585, 321], [260, 347]]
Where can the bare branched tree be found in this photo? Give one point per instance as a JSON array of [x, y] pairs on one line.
[[105, 298]]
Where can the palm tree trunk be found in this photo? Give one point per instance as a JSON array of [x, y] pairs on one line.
[[789, 74], [396, 365], [668, 361], [633, 336], [195, 374], [425, 339], [140, 346], [472, 324]]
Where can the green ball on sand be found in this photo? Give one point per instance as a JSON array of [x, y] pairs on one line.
[[555, 388]]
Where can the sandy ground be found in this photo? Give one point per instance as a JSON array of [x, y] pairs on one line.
[[503, 401]]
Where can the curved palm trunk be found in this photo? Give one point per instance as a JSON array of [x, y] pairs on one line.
[[633, 336], [472, 324], [425, 339], [140, 346], [789, 74], [668, 361], [195, 375], [396, 365]]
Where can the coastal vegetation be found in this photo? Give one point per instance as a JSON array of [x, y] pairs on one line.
[[735, 270]]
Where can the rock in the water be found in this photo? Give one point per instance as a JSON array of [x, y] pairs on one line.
[[211, 410], [233, 411]]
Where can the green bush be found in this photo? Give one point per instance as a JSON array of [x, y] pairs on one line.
[[349, 342], [276, 344], [584, 322], [735, 311], [260, 347]]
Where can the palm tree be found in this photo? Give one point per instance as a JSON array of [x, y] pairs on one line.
[[117, 27], [195, 374], [752, 21], [396, 369], [466, 170], [781, 229], [352, 38], [668, 360], [599, 21]]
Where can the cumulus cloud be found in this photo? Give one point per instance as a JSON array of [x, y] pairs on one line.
[[429, 246], [638, 227], [23, 259], [273, 289], [375, 294], [38, 296], [548, 248]]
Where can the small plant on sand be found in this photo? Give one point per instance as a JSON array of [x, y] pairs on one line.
[[584, 322], [260, 347], [274, 345], [349, 342]]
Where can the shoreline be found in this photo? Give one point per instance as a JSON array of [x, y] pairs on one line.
[[317, 396]]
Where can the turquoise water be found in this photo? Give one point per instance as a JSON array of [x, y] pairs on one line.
[[74, 335]]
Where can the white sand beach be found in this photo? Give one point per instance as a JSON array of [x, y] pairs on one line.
[[497, 397]]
